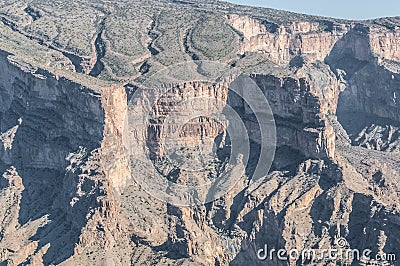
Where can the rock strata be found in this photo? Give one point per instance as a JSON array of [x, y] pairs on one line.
[[74, 142]]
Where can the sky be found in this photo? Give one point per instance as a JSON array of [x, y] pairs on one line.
[[347, 9]]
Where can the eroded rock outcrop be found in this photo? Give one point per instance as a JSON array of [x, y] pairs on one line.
[[57, 175], [73, 146], [298, 38]]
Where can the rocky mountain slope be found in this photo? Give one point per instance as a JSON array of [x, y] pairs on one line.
[[71, 136]]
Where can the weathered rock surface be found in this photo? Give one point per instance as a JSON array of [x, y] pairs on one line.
[[69, 193]]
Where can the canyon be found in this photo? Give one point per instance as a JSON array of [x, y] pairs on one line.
[[82, 135]]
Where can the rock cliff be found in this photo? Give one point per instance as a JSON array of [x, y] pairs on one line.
[[74, 142]]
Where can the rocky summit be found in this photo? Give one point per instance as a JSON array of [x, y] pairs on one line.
[[85, 128]]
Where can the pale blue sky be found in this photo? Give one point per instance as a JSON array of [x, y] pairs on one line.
[[349, 9]]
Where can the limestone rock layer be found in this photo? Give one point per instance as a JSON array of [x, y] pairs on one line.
[[74, 144]]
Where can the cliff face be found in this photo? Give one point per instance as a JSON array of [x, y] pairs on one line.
[[113, 145], [385, 44], [287, 41], [53, 163], [299, 115], [74, 146]]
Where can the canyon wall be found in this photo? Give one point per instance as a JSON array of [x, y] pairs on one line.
[[73, 152], [52, 144], [298, 38], [385, 43], [299, 115]]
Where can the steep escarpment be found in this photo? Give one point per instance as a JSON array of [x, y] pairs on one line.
[[299, 116], [52, 161], [385, 43], [286, 42], [114, 143], [367, 102], [82, 138]]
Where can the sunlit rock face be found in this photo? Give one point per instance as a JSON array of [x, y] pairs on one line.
[[289, 40], [75, 142]]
